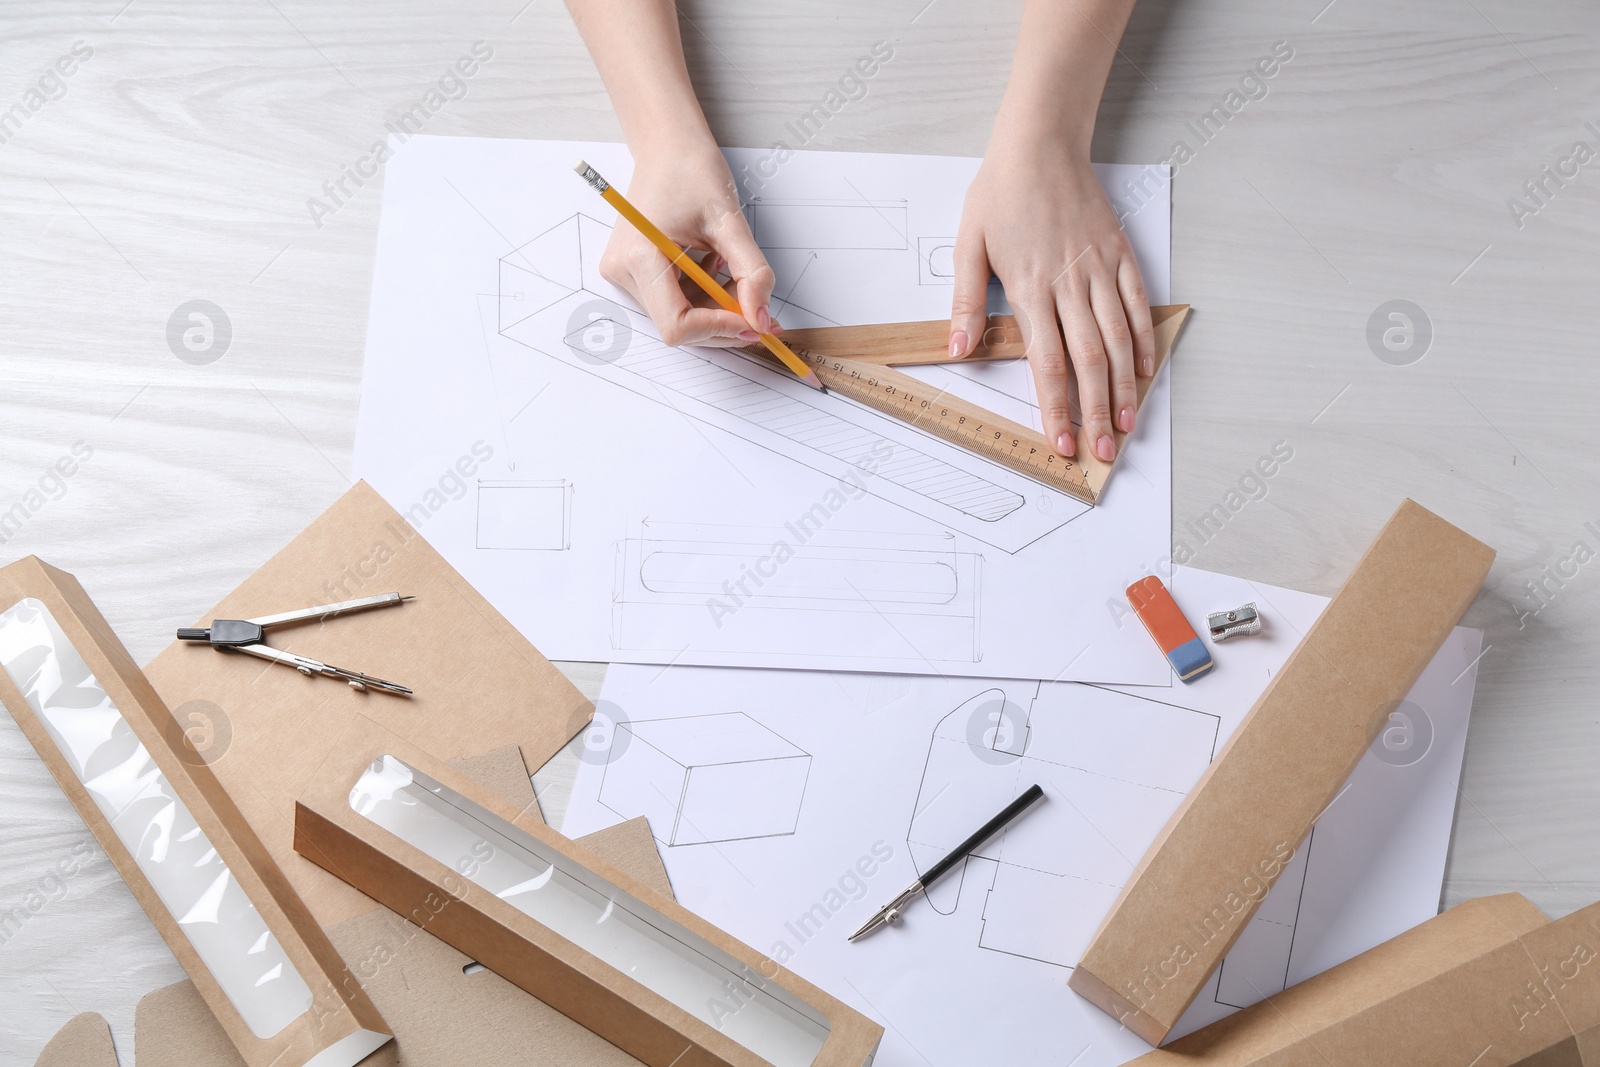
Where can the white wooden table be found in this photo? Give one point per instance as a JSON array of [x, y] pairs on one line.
[[175, 164]]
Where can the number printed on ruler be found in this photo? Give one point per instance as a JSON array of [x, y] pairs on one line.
[[1005, 442]]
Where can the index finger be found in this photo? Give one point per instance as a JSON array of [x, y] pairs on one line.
[[752, 277]]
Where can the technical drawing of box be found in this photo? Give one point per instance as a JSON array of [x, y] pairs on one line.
[[524, 515], [693, 778]]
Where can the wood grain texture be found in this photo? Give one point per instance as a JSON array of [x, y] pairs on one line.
[[1377, 166]]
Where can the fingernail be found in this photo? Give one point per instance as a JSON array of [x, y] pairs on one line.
[[958, 345], [1125, 420], [777, 327], [1147, 366], [747, 336], [1065, 444], [1105, 449], [764, 318]]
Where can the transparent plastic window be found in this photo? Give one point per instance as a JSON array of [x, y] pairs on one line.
[[189, 877], [573, 902]]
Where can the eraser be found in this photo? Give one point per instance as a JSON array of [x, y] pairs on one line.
[[1172, 632]]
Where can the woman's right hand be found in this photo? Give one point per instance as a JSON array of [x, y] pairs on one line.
[[689, 193]]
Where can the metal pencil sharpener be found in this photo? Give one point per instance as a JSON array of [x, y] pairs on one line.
[[1226, 624]]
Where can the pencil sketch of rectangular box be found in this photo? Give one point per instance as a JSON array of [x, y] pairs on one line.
[[246, 940], [728, 588], [529, 516], [559, 922], [693, 777], [823, 224]]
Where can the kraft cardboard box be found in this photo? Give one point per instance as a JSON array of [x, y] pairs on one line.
[[444, 1011], [558, 921], [1208, 870], [263, 966], [1490, 983]]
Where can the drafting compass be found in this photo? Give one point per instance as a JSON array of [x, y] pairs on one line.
[[249, 636]]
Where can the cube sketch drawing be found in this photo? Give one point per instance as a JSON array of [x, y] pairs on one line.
[[693, 778]]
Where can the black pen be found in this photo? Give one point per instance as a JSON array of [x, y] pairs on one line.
[[889, 914]]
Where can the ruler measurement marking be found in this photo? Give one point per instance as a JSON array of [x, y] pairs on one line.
[[958, 422]]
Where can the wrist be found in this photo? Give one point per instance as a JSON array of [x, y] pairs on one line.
[[670, 133], [1042, 128], [1040, 142]]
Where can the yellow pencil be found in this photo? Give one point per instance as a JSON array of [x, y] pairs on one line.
[[684, 262]]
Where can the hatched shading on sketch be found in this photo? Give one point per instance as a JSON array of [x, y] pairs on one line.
[[549, 289]]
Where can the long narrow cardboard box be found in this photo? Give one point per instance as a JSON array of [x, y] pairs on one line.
[[237, 927], [1203, 878], [558, 921], [1490, 983]]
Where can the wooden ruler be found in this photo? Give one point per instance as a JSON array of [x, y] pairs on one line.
[[859, 361]]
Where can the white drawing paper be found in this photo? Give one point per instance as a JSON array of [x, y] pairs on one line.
[[622, 500], [899, 769]]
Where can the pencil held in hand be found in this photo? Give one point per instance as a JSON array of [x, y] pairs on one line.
[[684, 262]]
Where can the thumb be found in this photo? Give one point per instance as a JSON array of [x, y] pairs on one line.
[[752, 277], [970, 306]]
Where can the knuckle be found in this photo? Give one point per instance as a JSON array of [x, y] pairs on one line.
[[1089, 357], [674, 333], [1073, 281], [1117, 332], [1097, 413], [613, 270], [1050, 374]]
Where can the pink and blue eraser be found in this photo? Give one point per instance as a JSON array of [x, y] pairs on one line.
[[1172, 633]]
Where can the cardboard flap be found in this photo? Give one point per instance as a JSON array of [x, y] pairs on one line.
[[84, 1042], [504, 771]]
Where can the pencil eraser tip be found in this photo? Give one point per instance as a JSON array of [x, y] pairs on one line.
[[581, 167]]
